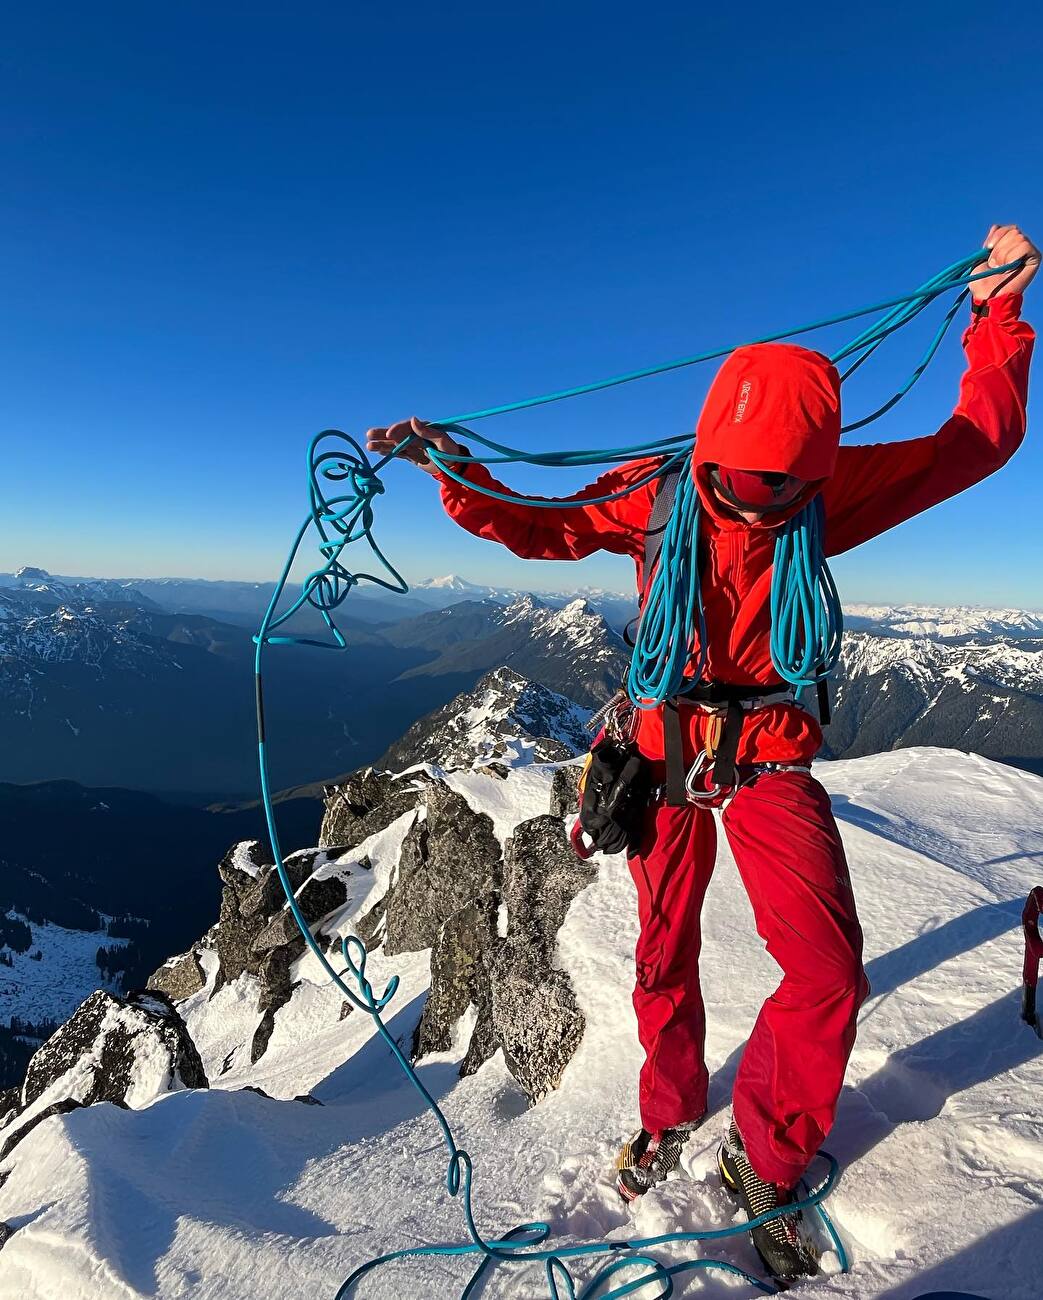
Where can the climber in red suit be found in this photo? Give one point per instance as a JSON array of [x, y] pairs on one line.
[[766, 443]]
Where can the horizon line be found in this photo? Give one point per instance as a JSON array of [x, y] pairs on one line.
[[578, 592]]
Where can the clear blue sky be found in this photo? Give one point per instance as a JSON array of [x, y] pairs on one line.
[[226, 226]]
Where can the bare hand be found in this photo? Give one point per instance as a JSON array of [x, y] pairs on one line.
[[381, 441], [1007, 244]]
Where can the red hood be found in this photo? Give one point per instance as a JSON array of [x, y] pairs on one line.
[[775, 407]]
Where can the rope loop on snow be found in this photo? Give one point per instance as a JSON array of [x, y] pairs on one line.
[[806, 631], [524, 1243]]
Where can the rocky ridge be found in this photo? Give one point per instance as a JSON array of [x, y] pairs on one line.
[[506, 719], [489, 911], [570, 649], [410, 862]]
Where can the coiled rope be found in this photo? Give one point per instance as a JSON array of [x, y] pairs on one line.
[[806, 627]]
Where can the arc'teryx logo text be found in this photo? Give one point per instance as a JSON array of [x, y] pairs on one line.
[[745, 389]]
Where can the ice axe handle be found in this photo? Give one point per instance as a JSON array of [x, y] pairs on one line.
[[1033, 955], [579, 842]]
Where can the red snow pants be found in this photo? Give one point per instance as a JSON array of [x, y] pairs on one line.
[[791, 860]]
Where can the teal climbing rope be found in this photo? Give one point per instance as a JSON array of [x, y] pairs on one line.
[[522, 1244], [806, 630]]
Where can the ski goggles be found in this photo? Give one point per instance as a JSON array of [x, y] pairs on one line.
[[756, 490]]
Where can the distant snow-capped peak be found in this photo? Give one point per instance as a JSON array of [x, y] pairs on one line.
[[506, 719], [27, 576], [450, 582]]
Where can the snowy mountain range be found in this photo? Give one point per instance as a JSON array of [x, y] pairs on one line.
[[243, 603], [973, 692], [951, 623], [515, 966], [101, 685], [74, 591], [235, 601], [111, 692]]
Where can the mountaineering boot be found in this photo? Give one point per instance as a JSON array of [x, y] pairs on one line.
[[787, 1253], [647, 1158]]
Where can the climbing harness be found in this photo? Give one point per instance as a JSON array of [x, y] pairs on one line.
[[806, 627], [714, 776]]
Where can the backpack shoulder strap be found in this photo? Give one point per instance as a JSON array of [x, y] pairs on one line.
[[666, 490]]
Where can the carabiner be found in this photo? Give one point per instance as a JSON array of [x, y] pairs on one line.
[[704, 794]]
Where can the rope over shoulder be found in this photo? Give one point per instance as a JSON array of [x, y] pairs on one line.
[[805, 640]]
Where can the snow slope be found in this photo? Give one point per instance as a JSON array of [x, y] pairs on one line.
[[227, 1195]]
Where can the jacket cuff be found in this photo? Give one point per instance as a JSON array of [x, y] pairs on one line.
[[449, 484], [1004, 307]]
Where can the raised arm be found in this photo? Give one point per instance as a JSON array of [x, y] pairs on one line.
[[567, 532], [878, 486]]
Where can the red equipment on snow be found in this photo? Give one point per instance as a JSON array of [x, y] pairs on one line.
[[1033, 956]]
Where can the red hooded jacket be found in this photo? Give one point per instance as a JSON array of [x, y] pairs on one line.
[[794, 429]]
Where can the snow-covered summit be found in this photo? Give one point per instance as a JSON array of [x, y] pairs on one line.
[[577, 624], [450, 582], [237, 1195], [28, 576], [506, 719]]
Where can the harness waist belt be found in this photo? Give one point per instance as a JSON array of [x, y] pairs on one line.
[[748, 697], [734, 701]]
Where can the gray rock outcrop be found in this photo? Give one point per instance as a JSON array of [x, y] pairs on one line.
[[125, 1050], [449, 856], [10, 1100], [367, 802], [564, 790], [256, 933], [460, 979], [491, 920], [178, 978], [116, 1049], [535, 1017]]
